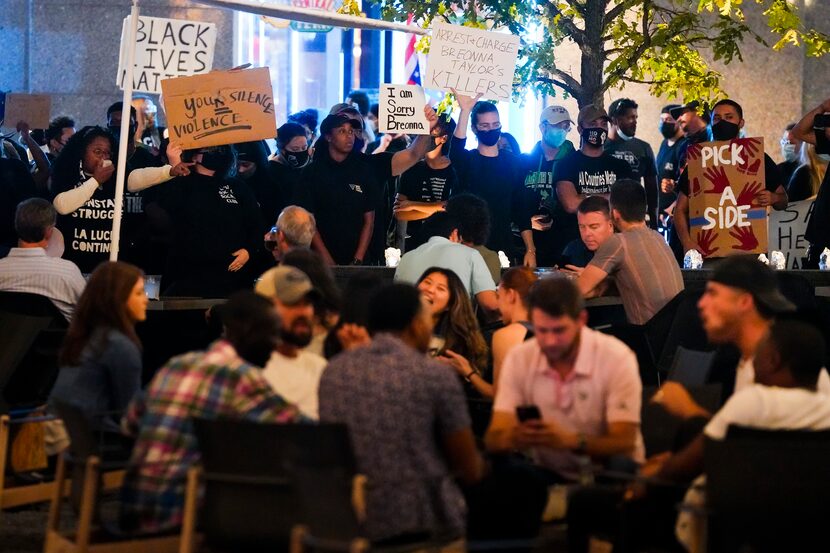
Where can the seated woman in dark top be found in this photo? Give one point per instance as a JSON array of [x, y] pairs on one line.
[[808, 177], [513, 289], [101, 356], [457, 338]]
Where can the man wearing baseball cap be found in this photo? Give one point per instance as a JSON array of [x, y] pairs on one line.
[[555, 123], [342, 187], [293, 372], [588, 171]]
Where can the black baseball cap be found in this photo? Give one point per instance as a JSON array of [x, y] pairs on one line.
[[337, 120], [749, 274], [679, 110]]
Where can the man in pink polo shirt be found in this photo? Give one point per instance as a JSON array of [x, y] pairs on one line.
[[585, 384]]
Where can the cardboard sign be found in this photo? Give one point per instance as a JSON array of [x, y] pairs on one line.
[[786, 232], [221, 107], [472, 61], [724, 179], [401, 109], [166, 48], [35, 109]]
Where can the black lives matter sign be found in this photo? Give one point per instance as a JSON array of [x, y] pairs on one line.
[[166, 48]]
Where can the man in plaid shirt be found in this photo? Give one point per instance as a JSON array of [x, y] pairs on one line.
[[224, 381]]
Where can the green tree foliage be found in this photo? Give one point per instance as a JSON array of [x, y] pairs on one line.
[[659, 44]]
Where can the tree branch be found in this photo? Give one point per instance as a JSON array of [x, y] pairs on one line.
[[564, 86], [619, 72], [568, 24]]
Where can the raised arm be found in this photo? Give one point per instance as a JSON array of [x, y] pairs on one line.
[[405, 159], [804, 129]]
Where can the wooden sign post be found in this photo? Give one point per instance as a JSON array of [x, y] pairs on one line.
[[724, 179], [221, 107]]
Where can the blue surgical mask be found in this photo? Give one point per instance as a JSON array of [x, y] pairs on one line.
[[554, 136], [788, 151]]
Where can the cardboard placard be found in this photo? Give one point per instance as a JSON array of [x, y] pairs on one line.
[[166, 48], [221, 107], [471, 61], [786, 232], [401, 109], [724, 179], [35, 109]]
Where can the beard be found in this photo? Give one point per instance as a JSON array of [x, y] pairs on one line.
[[299, 334]]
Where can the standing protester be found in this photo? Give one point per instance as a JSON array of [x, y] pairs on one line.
[[360, 100], [791, 153], [588, 171], [425, 188], [59, 132], [83, 180], [494, 175], [554, 124], [148, 132], [622, 144], [668, 168], [16, 185], [813, 129], [285, 168], [806, 181], [727, 122], [340, 187]]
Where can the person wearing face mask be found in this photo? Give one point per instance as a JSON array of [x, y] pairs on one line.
[[668, 161], [495, 175], [555, 123], [589, 171], [791, 153], [217, 223], [622, 144], [813, 129], [425, 188], [727, 122], [284, 170], [341, 187]]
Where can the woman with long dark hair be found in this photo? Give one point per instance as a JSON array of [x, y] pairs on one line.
[[83, 184], [101, 356], [457, 338]]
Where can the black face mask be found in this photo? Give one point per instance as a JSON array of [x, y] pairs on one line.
[[724, 130], [489, 138], [215, 161], [296, 159], [595, 136], [668, 130]]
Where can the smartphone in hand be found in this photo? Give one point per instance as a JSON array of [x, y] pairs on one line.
[[528, 413]]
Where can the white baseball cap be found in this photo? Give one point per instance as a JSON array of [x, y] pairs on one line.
[[554, 115]]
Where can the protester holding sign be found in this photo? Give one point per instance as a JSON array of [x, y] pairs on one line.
[[727, 121], [341, 186], [495, 175], [83, 179]]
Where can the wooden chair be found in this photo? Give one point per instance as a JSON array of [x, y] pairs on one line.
[[91, 535]]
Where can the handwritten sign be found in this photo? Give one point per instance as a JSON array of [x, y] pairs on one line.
[[786, 232], [401, 109], [472, 61], [724, 180], [166, 48], [221, 107], [35, 109]]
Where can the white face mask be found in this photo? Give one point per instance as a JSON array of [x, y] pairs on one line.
[[624, 136]]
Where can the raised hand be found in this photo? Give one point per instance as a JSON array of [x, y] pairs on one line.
[[717, 176], [466, 102], [748, 195], [746, 238], [104, 171], [432, 117], [705, 240]]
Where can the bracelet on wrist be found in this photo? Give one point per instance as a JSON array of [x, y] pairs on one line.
[[469, 375]]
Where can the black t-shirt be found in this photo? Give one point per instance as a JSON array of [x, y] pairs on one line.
[[800, 186], [135, 232], [589, 175], [339, 194], [668, 167], [499, 181], [637, 153], [277, 191], [213, 218], [818, 227], [422, 183], [86, 231], [772, 177], [576, 253], [787, 170], [16, 185]]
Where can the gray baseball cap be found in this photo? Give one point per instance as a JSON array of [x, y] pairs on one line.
[[287, 284]]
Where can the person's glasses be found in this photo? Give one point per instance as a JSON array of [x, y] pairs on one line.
[[271, 239]]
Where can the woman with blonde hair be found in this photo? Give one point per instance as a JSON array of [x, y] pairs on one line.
[[808, 177]]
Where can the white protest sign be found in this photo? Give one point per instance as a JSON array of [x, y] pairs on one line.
[[401, 109], [166, 48], [471, 61], [786, 232]]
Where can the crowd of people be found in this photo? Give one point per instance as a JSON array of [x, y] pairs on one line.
[[468, 393]]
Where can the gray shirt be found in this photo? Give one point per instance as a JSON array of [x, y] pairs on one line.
[[398, 404], [463, 260]]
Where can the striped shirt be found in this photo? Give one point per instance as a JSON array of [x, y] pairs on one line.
[[206, 384], [31, 270], [644, 269]]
